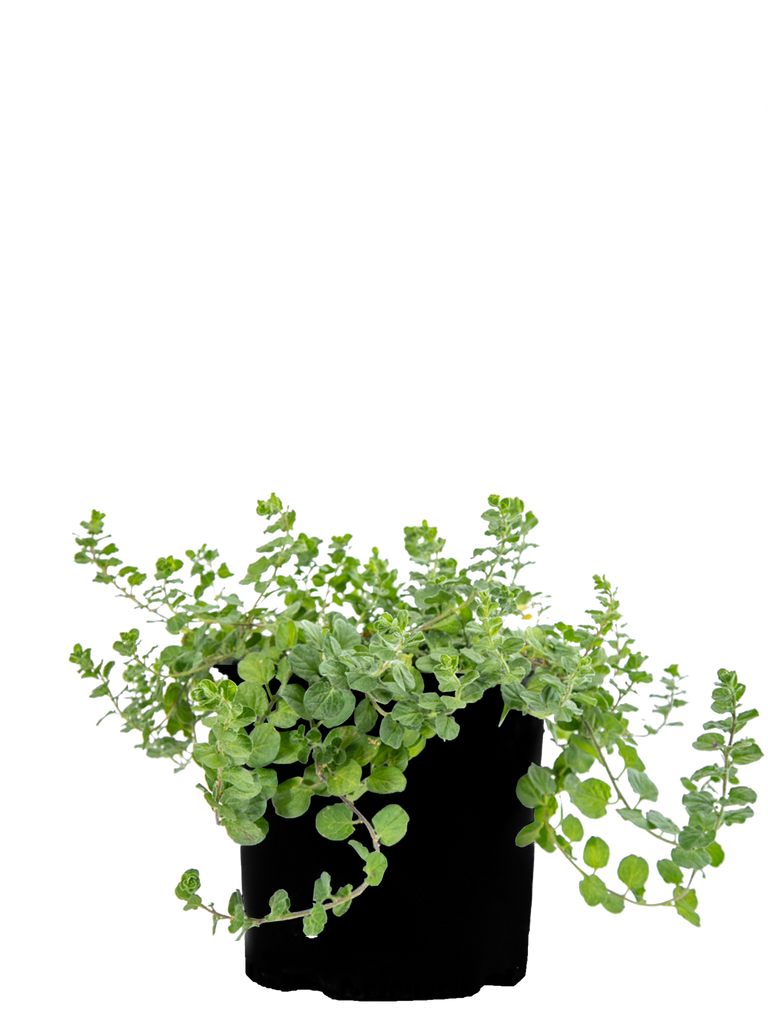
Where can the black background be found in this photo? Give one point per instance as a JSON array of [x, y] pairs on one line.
[[684, 554]]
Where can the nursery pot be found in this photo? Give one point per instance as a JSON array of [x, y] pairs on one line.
[[452, 911]]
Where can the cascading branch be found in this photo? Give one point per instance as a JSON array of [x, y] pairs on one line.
[[344, 696]]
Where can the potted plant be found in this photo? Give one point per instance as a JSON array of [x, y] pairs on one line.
[[313, 737]]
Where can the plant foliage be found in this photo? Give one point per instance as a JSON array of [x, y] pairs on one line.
[[342, 694]]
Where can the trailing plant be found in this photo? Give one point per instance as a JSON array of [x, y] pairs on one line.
[[331, 658]]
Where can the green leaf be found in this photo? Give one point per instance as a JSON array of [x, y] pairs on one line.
[[256, 570], [447, 727], [165, 748], [255, 668], [591, 797], [345, 632], [686, 905], [746, 752], [375, 866], [334, 671], [579, 755], [630, 756], [327, 703], [573, 828], [313, 633], [252, 695], [391, 732], [665, 824], [529, 834], [342, 908], [181, 719], [167, 567], [361, 850], [335, 821], [385, 780], [189, 884], [101, 690], [642, 785], [237, 910], [169, 654], [236, 744], [717, 851], [391, 824], [633, 872], [265, 743], [292, 799], [248, 783], [422, 541], [743, 717], [406, 712], [535, 787], [292, 693], [287, 635], [315, 921], [593, 889], [741, 795], [345, 778], [691, 858], [669, 871], [363, 681], [282, 715], [279, 905], [613, 904], [207, 755], [596, 852], [635, 816], [737, 815], [710, 741], [322, 889], [304, 660], [246, 832]]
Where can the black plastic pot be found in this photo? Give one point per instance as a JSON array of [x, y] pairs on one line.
[[452, 912]]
